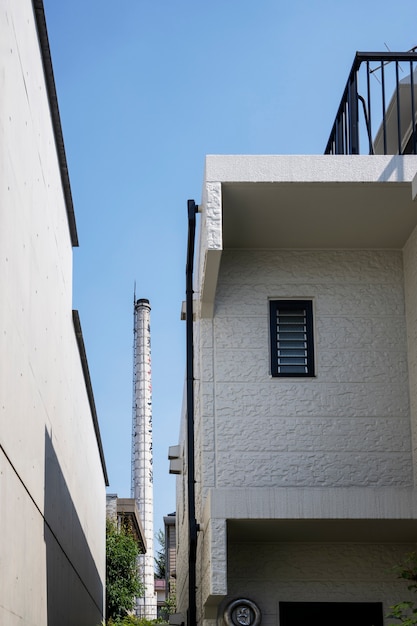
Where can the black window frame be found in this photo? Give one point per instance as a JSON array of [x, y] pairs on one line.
[[291, 305]]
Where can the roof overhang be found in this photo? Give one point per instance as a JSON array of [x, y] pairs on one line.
[[39, 13], [304, 202], [127, 508], [313, 530]]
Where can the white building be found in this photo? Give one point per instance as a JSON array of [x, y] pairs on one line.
[[305, 479], [52, 471], [305, 444], [301, 401]]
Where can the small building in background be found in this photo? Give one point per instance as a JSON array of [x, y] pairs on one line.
[[160, 591], [125, 513], [170, 555]]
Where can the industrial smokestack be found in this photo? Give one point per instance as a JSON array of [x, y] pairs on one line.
[[142, 460]]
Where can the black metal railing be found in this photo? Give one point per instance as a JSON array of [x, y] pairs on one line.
[[377, 113]]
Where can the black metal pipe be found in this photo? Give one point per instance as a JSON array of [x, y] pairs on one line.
[[353, 114], [413, 109], [397, 91], [384, 124], [192, 522], [369, 119], [361, 99]]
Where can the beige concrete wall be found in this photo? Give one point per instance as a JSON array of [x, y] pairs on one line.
[[52, 545]]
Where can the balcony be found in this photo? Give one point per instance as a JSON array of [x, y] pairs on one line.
[[377, 113]]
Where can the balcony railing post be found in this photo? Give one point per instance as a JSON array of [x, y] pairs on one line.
[[353, 114], [397, 90], [413, 109], [368, 99]]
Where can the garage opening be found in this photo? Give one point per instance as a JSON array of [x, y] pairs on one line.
[[330, 613]]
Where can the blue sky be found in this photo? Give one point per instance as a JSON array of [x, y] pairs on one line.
[[146, 89]]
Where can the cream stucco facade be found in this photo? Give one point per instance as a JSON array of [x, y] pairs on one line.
[[52, 472], [305, 487]]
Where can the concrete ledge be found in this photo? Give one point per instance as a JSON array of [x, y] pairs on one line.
[[314, 503]]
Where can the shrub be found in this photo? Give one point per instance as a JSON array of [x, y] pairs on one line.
[[406, 612], [122, 577]]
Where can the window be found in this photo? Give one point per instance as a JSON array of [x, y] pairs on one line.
[[292, 349]]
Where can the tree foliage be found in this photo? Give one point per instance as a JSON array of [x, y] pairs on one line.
[[406, 612], [169, 606], [160, 560], [122, 577], [131, 620]]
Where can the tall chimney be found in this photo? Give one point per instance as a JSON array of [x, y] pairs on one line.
[[142, 468]]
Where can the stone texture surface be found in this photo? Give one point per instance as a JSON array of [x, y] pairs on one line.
[[270, 573], [410, 279], [349, 425], [346, 430]]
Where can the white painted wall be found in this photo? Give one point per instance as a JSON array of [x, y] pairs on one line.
[[347, 426], [52, 490]]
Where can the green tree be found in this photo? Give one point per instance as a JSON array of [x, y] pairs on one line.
[[160, 561], [169, 606], [122, 577], [406, 612]]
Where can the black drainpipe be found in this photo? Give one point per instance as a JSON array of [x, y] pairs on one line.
[[192, 522]]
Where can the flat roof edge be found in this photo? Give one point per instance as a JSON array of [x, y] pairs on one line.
[[310, 168], [89, 388], [39, 13]]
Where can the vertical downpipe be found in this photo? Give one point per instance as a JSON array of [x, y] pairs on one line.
[[192, 522]]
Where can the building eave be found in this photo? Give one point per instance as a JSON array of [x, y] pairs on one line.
[[41, 27], [89, 389], [127, 507], [302, 202]]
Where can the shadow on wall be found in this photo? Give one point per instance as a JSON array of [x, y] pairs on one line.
[[74, 586]]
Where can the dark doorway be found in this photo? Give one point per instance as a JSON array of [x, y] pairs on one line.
[[330, 613]]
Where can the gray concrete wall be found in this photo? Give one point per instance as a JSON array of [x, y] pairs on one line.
[[270, 573], [52, 544]]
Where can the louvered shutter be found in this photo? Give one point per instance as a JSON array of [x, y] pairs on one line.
[[291, 338]]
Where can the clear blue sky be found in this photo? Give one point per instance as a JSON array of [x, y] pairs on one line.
[[146, 89]]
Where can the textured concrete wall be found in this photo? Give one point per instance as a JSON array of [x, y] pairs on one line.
[[311, 443], [269, 573], [348, 426], [410, 281], [52, 544]]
